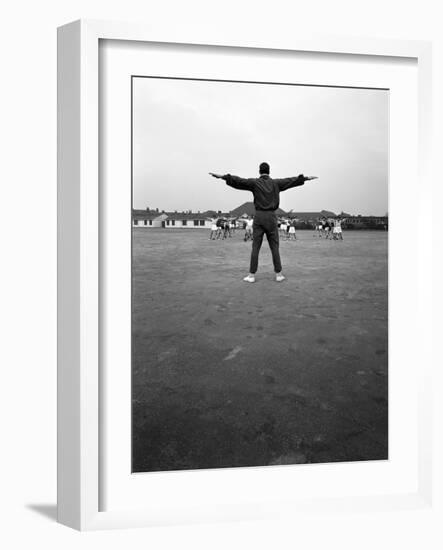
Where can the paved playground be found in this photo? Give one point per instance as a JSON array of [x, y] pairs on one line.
[[227, 373]]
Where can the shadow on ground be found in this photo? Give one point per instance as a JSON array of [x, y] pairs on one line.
[[48, 511]]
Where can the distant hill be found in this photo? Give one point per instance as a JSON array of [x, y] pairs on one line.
[[248, 208]]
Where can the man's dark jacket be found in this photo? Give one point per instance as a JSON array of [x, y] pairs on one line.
[[265, 189]]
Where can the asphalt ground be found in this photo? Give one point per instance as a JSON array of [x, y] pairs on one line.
[[229, 374]]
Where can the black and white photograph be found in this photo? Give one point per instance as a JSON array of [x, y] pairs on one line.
[[222, 296], [260, 227]]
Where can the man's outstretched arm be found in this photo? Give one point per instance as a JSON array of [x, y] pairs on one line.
[[288, 183], [235, 181]]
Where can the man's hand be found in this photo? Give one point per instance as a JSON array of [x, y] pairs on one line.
[[308, 178], [218, 176]]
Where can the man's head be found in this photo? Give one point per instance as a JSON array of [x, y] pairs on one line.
[[264, 168]]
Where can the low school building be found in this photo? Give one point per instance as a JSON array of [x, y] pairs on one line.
[[186, 220], [147, 218], [170, 220], [367, 222]]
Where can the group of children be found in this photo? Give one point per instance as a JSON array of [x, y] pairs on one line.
[[286, 229], [223, 228], [330, 228]]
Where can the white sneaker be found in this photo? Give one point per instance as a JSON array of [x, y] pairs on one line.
[[249, 279], [279, 277]]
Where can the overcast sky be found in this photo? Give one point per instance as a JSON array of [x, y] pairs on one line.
[[185, 129]]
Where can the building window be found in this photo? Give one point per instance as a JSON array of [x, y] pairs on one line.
[[145, 222], [202, 222], [167, 222], [185, 222], [196, 223], [150, 222], [135, 222], [173, 222]]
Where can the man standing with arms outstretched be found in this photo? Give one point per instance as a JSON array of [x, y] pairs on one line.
[[266, 193]]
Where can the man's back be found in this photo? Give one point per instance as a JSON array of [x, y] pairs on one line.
[[266, 193], [265, 189]]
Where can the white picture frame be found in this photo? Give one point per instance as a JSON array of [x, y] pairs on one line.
[[79, 367]]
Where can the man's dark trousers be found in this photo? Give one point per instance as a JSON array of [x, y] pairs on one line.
[[265, 223]]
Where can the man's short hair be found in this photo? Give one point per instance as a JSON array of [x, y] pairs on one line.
[[264, 168]]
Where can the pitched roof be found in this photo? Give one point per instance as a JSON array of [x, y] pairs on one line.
[[153, 214], [186, 215], [145, 214]]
